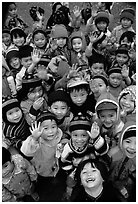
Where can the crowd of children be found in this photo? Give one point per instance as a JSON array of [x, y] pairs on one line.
[[69, 105]]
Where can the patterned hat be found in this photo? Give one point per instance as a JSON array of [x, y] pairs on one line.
[[46, 116], [114, 70], [31, 81], [80, 122], [122, 49], [128, 13], [102, 16]]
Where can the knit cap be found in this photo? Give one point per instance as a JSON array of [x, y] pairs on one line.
[[11, 53], [102, 16], [59, 31], [80, 122], [128, 13], [6, 156], [58, 95], [5, 30], [31, 81], [25, 51], [122, 49], [114, 70], [7, 104], [101, 76], [46, 116]]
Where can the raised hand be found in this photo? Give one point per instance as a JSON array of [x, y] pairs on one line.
[[38, 103], [36, 56], [95, 130], [125, 71], [76, 11], [35, 130]]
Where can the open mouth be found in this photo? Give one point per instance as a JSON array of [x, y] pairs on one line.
[[90, 180]]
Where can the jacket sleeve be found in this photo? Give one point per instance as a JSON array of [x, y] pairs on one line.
[[100, 145], [29, 146]]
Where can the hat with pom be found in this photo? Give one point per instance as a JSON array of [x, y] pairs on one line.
[[6, 156], [128, 13], [80, 122], [46, 115], [58, 95], [25, 51], [102, 16], [59, 31]]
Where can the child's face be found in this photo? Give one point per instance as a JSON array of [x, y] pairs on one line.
[[98, 86], [77, 44], [91, 177], [115, 79], [97, 68], [14, 115], [126, 42], [35, 93], [7, 168], [26, 61], [127, 103], [60, 109], [50, 129], [18, 41], [12, 10], [129, 146], [15, 63], [108, 117], [126, 23], [79, 138], [102, 25], [39, 40], [61, 42], [6, 39], [79, 97], [121, 58]]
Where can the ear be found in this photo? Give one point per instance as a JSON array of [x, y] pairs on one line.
[[49, 108]]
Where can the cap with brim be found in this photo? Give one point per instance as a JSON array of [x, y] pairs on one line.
[[76, 81], [31, 82]]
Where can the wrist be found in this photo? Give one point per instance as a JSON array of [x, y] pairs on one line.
[[98, 142]]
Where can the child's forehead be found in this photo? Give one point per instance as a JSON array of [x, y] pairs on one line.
[[13, 109], [131, 138], [39, 35], [77, 39], [107, 111], [78, 89], [59, 103]]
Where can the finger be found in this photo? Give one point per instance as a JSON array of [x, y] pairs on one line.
[[39, 125], [89, 133]]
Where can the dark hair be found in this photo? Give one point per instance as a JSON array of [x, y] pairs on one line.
[[129, 35], [98, 163], [16, 33]]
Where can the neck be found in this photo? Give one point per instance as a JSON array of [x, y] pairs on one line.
[[94, 192]]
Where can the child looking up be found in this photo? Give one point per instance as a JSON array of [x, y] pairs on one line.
[[18, 176]]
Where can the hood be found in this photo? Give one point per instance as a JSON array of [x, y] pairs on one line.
[[104, 99], [129, 126], [130, 90]]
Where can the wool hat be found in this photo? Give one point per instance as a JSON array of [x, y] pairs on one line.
[[45, 116], [97, 58], [39, 30], [76, 34], [130, 133], [128, 13], [58, 95], [11, 53], [80, 122], [102, 16], [31, 81], [6, 156], [76, 81], [114, 70], [6, 30], [122, 49], [101, 76], [59, 31], [7, 104], [25, 51]]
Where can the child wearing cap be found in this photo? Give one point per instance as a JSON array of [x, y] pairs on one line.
[[29, 59], [123, 167], [108, 114], [127, 17], [42, 146], [32, 97], [6, 40], [59, 104], [15, 127], [18, 175], [85, 142], [127, 103], [92, 183]]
